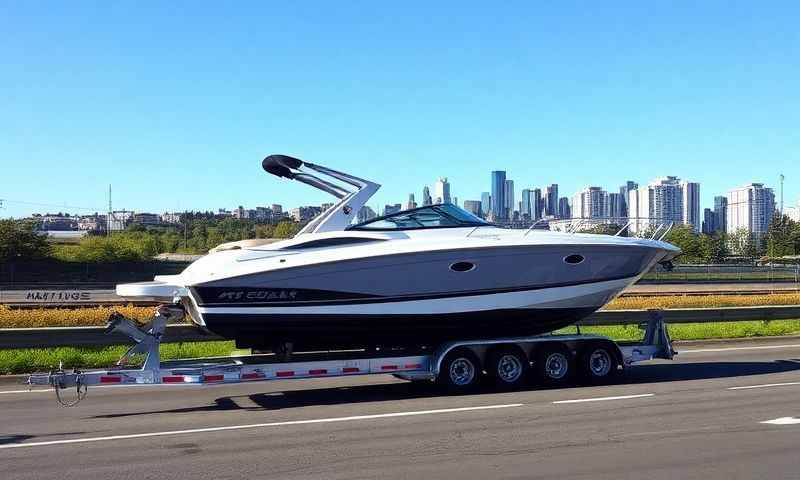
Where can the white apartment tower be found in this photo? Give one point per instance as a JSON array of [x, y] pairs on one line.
[[750, 207], [591, 202]]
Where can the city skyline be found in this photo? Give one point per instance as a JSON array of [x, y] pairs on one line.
[[574, 94]]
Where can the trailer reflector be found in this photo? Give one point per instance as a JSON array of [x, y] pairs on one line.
[[213, 378], [320, 371], [172, 379], [414, 366], [288, 373], [389, 367], [109, 379], [252, 376], [350, 370]]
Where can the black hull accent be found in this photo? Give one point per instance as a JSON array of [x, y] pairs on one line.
[[265, 331]]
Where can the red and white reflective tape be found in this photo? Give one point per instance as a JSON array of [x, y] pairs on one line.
[[173, 379], [286, 373], [214, 378], [389, 367], [253, 376], [320, 371], [110, 379], [413, 366], [350, 370]]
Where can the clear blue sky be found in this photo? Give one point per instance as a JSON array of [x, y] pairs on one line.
[[176, 104]]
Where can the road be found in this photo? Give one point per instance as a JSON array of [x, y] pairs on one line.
[[689, 418]]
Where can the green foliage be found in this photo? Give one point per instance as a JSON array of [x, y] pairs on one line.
[[19, 240], [783, 237], [713, 248], [286, 230], [128, 246], [744, 243], [685, 238]]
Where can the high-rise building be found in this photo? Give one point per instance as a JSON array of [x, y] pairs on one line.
[[486, 203], [564, 211], [691, 204], [509, 197], [591, 202], [499, 194], [623, 197], [525, 204], [720, 213], [365, 213], [442, 191], [537, 204], [551, 200], [390, 209], [750, 207], [411, 202], [709, 221], [426, 196], [473, 207], [614, 205]]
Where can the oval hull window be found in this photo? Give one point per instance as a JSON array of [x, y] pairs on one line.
[[573, 259], [462, 266]]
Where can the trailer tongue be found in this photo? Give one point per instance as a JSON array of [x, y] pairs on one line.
[[458, 366]]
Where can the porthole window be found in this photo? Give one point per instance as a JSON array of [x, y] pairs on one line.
[[462, 266], [574, 259]]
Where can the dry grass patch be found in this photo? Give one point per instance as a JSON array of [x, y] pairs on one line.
[[703, 301], [68, 317]]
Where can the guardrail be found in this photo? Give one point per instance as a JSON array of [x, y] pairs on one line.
[[95, 336]]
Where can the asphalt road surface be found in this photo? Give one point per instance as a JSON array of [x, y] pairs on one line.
[[701, 416]]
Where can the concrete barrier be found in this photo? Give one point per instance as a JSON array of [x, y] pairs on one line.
[[95, 336]]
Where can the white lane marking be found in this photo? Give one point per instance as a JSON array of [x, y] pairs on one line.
[[783, 421], [603, 399], [765, 385], [260, 425], [25, 391], [731, 349]]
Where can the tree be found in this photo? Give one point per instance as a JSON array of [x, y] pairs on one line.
[[782, 236], [286, 230], [19, 240], [685, 238], [713, 248]]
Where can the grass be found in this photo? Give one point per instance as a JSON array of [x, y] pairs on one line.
[[26, 360], [68, 317]]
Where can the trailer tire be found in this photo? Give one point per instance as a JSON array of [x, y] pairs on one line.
[[597, 363], [553, 364], [507, 367], [459, 371]]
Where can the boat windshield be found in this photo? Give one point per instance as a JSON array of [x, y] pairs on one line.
[[433, 216]]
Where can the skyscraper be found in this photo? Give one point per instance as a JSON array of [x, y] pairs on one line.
[[509, 197], [591, 202], [720, 213], [614, 205], [442, 191], [537, 203], [709, 221], [564, 210], [426, 197], [525, 204], [486, 203], [411, 203], [623, 197], [551, 200], [498, 194], [691, 204], [751, 208]]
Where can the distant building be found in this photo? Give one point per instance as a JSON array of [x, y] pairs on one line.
[[691, 204], [486, 203], [442, 191], [720, 214], [551, 200], [623, 196], [411, 203], [750, 207], [390, 209], [709, 221], [171, 218], [498, 196], [304, 214], [525, 204], [793, 212], [591, 202], [614, 205], [146, 219], [473, 207], [118, 220], [426, 197], [537, 204], [277, 210], [564, 210], [508, 193]]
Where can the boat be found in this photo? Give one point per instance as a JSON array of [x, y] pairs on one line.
[[417, 277]]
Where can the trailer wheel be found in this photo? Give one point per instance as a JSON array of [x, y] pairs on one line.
[[597, 363], [459, 371], [553, 364], [507, 367]]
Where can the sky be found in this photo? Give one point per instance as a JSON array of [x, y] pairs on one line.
[[176, 103]]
